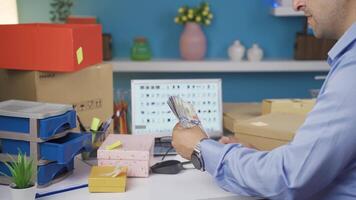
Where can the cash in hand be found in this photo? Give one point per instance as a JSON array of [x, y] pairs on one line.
[[185, 112]]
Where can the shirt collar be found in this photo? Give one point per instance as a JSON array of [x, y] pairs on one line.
[[348, 37]]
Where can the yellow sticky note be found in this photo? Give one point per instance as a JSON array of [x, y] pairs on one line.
[[113, 145], [80, 56]]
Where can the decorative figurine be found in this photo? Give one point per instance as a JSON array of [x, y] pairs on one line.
[[255, 53], [236, 51]]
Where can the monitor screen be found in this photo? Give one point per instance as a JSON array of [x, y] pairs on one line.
[[152, 115]]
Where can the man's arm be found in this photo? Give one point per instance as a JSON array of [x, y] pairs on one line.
[[322, 148]]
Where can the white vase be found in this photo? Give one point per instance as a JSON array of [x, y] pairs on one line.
[[236, 51], [255, 53], [23, 194]]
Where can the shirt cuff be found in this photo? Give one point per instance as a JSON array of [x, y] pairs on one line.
[[211, 151]]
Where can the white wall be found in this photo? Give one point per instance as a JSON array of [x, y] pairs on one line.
[[8, 12]]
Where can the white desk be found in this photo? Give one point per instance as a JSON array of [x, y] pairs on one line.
[[187, 185]]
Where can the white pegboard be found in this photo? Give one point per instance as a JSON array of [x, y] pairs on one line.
[[151, 113]]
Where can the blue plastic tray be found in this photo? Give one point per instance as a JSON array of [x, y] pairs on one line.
[[51, 171], [46, 173], [47, 127], [61, 150], [4, 169]]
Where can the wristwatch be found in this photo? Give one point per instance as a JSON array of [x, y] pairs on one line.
[[197, 159]]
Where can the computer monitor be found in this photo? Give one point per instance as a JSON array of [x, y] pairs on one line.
[[152, 115]]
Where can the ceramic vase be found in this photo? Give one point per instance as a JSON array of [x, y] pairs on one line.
[[23, 194], [236, 51], [192, 42], [255, 53]]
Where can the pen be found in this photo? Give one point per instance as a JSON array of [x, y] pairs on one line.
[[61, 191], [101, 126], [81, 126], [107, 123]]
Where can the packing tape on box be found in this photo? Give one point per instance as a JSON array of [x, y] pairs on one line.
[[260, 124]]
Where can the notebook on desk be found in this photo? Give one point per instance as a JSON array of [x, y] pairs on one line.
[[152, 115]]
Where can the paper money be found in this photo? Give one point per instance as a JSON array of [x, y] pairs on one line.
[[185, 112]]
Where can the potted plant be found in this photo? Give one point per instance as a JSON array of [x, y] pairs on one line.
[[22, 172], [193, 41], [61, 9]]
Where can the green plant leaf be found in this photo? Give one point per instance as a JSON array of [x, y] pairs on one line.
[[22, 170]]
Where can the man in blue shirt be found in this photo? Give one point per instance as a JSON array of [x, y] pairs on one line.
[[320, 163]]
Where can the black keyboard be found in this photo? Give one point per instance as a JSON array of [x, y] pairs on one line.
[[163, 148]]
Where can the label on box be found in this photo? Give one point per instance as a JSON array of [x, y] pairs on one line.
[[88, 105], [43, 75]]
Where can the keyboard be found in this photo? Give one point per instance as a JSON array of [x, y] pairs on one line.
[[162, 148]]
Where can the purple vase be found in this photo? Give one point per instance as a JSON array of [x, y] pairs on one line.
[[192, 42]]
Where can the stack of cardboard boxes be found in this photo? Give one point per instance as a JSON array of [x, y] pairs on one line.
[[57, 63], [267, 126]]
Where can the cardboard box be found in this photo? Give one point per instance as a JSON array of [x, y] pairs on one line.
[[81, 20], [269, 131], [100, 180], [297, 106], [90, 89], [136, 152], [50, 47], [236, 112]]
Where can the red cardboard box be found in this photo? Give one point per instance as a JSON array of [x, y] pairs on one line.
[[81, 20], [50, 47]]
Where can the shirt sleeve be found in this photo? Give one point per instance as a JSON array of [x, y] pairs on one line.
[[321, 150]]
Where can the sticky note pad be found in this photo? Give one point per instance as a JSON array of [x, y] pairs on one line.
[[80, 56], [113, 145], [99, 183], [95, 124]]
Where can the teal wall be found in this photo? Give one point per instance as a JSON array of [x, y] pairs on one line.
[[33, 10], [247, 20]]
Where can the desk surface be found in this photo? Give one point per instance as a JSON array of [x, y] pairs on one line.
[[188, 185]]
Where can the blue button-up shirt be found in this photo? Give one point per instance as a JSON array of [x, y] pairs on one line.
[[320, 162]]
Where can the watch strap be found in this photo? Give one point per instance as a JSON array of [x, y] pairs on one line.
[[198, 156]]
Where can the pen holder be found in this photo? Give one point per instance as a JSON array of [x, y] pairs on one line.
[[98, 138]]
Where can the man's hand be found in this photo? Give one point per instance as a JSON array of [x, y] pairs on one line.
[[232, 139], [184, 140], [228, 140]]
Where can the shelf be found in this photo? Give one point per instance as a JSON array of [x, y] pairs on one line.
[[173, 66], [286, 12]]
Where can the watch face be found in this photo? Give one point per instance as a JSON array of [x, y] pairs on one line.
[[196, 161]]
